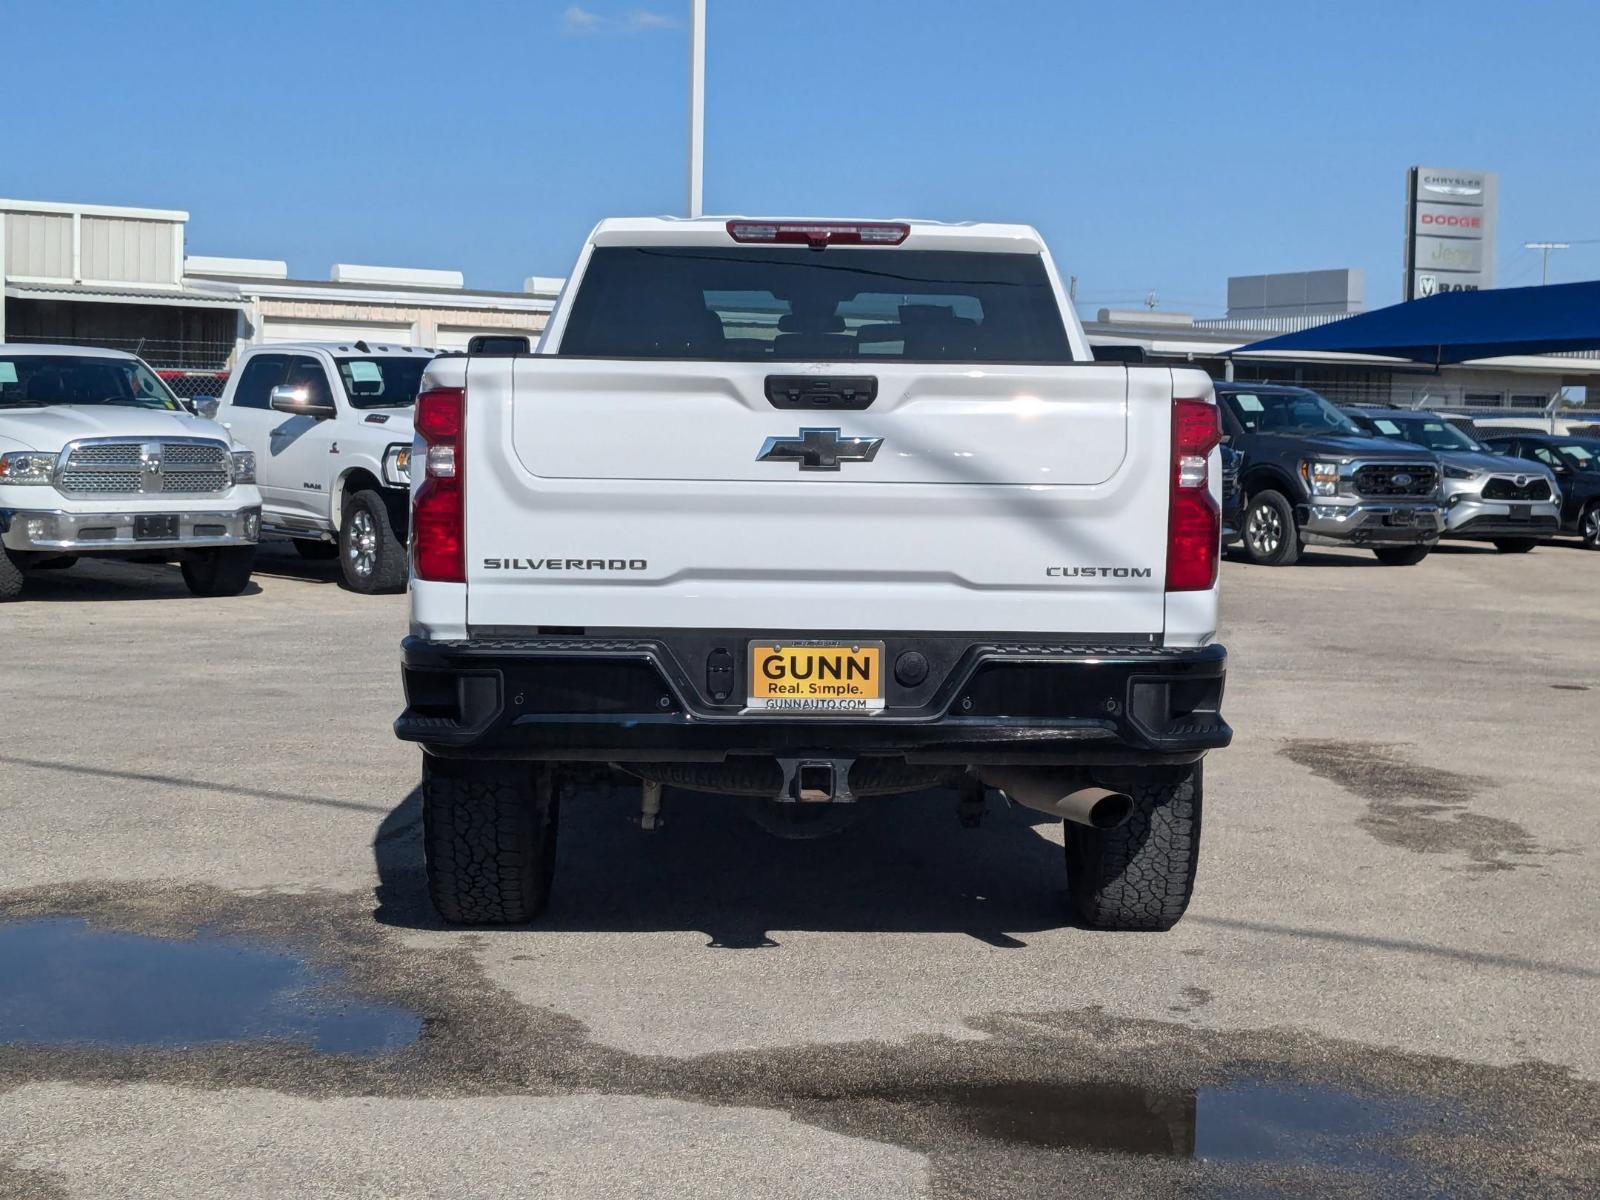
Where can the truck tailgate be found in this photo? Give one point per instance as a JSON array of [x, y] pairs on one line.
[[630, 494]]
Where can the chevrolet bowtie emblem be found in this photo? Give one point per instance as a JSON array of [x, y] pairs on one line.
[[819, 449]]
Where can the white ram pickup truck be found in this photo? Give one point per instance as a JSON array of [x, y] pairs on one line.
[[99, 458], [330, 425], [812, 512]]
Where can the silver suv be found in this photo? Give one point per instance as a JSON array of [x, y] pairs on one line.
[[1488, 497]]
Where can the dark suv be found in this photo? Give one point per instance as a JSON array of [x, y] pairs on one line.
[[1311, 476], [1575, 462]]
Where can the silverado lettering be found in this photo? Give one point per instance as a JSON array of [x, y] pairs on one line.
[[565, 564]]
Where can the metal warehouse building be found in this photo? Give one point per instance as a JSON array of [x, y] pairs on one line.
[[120, 277]]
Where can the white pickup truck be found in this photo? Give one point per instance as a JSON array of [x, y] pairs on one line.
[[99, 458], [330, 425], [812, 512]]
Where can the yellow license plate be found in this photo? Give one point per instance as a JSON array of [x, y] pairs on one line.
[[816, 677]]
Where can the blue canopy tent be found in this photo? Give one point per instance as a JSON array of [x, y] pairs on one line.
[[1456, 326]]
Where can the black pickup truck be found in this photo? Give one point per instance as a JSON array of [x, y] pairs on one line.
[[1309, 476]]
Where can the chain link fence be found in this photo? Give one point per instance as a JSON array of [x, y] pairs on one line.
[[186, 355]]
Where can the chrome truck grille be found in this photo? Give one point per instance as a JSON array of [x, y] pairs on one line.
[[192, 467]]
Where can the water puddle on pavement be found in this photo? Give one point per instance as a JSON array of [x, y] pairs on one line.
[[1246, 1121], [65, 982]]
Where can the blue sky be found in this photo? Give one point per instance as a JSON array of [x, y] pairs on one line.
[[1159, 146]]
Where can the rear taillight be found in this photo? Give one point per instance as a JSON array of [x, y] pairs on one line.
[[1194, 526], [438, 512], [820, 234]]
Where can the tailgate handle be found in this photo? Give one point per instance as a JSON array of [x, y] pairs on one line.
[[830, 392]]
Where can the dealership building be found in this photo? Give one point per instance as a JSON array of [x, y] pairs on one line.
[[99, 275]]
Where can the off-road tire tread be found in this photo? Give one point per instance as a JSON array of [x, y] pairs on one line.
[[1140, 875], [10, 577], [489, 837], [389, 575], [224, 571]]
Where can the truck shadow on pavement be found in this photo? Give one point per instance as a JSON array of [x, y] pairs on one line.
[[905, 866], [112, 579]]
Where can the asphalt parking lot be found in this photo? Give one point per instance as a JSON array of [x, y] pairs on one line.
[[219, 975]]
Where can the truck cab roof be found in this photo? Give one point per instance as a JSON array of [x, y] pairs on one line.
[[920, 234], [372, 349], [30, 349]]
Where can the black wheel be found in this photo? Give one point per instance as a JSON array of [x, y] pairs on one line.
[[489, 834], [1140, 875], [372, 558], [221, 572], [10, 576], [1515, 545], [316, 551], [1589, 526], [1270, 537], [1401, 556]]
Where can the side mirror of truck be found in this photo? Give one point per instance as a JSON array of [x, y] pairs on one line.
[[297, 402], [204, 406]]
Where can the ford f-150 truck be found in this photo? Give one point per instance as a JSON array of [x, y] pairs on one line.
[[330, 425], [813, 512], [98, 458], [1312, 476]]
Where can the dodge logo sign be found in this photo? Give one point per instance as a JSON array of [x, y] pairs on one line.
[[819, 449]]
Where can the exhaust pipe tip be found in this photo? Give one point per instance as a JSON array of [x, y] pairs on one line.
[[1061, 794], [1110, 811]]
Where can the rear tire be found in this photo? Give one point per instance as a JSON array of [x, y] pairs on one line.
[[1515, 545], [489, 835], [221, 572], [1269, 535], [316, 551], [370, 555], [1401, 556], [1140, 875], [10, 576], [1589, 527]]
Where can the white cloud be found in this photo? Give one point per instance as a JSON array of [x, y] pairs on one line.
[[580, 20], [642, 18], [577, 19]]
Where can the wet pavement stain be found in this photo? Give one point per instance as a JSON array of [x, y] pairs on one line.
[[1417, 808], [1244, 1121], [66, 983], [1042, 1104]]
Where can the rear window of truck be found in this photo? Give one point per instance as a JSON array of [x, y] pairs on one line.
[[792, 303]]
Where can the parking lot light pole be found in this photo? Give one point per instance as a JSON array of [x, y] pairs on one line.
[[1544, 276], [697, 101]]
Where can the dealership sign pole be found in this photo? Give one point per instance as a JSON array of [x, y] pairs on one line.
[[697, 101]]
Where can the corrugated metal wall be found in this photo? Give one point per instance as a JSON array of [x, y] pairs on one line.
[[110, 249], [124, 251], [39, 245]]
